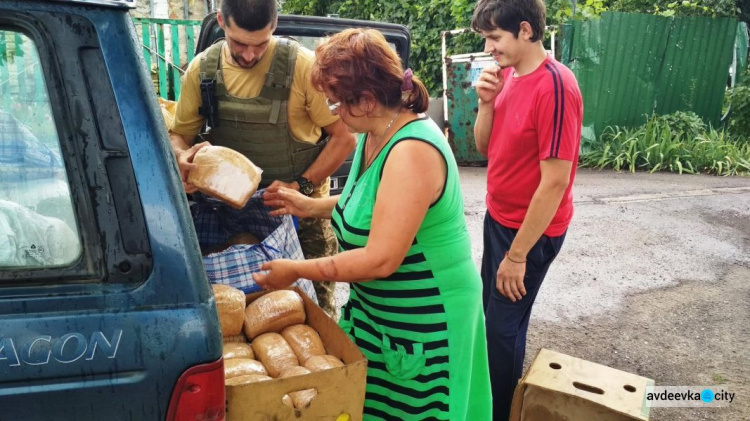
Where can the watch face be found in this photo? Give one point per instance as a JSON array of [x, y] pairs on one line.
[[305, 186]]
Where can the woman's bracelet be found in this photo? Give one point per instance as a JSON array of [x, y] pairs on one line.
[[514, 261]]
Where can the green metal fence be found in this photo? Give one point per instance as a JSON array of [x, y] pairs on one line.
[[168, 46], [632, 65], [740, 52], [20, 80]]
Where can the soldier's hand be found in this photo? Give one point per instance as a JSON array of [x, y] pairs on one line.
[[185, 165]]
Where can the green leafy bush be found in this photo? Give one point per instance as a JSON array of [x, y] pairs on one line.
[[686, 123], [738, 101], [658, 146], [712, 8], [425, 20]]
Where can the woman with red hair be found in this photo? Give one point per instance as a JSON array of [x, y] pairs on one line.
[[415, 299]]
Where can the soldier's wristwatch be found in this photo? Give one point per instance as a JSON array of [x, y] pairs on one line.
[[306, 186]]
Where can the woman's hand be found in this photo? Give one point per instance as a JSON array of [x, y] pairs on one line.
[[279, 274], [286, 201]]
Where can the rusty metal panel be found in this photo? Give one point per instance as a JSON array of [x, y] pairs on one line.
[[461, 106], [631, 65]]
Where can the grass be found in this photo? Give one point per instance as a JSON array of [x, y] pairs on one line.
[[719, 378], [669, 144]]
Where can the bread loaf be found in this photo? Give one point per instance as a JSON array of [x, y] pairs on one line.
[[273, 312], [237, 350], [225, 174], [242, 366], [246, 379], [304, 340], [276, 355], [230, 302], [236, 338], [301, 398], [322, 362]]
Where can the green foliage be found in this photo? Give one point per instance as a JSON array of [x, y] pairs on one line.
[[678, 143], [739, 121], [686, 123], [739, 106], [425, 21], [712, 8]]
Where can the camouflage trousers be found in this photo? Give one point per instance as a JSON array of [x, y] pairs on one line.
[[318, 240]]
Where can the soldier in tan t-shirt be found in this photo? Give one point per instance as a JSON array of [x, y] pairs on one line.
[[269, 111]]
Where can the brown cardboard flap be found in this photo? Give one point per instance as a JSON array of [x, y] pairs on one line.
[[262, 401], [558, 386]]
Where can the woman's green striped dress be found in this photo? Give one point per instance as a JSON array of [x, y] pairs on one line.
[[422, 328]]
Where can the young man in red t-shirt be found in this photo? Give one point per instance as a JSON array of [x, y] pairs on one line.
[[529, 127]]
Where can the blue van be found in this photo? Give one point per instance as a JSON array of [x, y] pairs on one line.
[[105, 308]]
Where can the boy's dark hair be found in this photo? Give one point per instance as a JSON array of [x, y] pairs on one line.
[[250, 15], [508, 15]]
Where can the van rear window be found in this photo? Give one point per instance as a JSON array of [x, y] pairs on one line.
[[38, 228]]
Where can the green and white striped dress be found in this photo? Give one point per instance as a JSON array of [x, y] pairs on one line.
[[422, 328]]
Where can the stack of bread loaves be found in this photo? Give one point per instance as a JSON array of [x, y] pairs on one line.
[[281, 345]]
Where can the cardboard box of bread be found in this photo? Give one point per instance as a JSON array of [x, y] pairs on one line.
[[284, 358]]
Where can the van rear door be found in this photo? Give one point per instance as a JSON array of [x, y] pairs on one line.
[[104, 303]]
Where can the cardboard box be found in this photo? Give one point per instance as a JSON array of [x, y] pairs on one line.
[[340, 390], [559, 387]]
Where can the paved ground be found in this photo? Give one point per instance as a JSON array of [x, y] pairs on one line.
[[653, 279]]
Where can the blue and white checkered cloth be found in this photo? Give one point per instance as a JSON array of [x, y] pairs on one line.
[[215, 222]]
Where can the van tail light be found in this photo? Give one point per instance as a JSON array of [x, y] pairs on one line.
[[199, 394]]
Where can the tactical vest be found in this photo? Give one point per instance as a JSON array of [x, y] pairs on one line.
[[259, 127]]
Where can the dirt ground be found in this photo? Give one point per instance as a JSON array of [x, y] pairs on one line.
[[690, 334], [653, 279]]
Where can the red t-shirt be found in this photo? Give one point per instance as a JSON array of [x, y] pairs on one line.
[[537, 116]]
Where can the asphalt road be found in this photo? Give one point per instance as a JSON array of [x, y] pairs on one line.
[[633, 233]]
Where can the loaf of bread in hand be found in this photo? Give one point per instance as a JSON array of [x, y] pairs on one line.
[[304, 340], [225, 174], [273, 312], [230, 302]]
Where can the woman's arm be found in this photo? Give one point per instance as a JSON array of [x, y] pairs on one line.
[[287, 201], [413, 178]]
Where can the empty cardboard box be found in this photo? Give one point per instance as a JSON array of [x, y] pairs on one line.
[[559, 387], [341, 391]]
